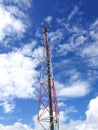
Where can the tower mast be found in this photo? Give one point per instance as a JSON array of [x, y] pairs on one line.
[[47, 106], [49, 79]]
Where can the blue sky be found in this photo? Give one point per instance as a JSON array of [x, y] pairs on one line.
[[73, 37]]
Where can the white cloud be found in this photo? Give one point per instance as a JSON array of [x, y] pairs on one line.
[[16, 65], [91, 53], [56, 36], [8, 107], [73, 13], [82, 42], [67, 111], [37, 53], [62, 117], [91, 113], [70, 109], [23, 3], [28, 50], [78, 37], [75, 89], [90, 123], [18, 73], [13, 22], [94, 30], [48, 19], [71, 29], [90, 50], [61, 104], [64, 49], [16, 126], [14, 10], [95, 24], [60, 21], [8, 24], [19, 3]]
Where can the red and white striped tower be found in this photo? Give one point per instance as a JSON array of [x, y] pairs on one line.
[[48, 115]]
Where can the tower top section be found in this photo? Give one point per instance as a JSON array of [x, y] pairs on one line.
[[45, 29]]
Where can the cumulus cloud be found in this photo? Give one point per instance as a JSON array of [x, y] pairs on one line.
[[9, 24], [16, 65], [16, 126], [76, 89], [8, 107], [13, 23], [48, 19], [91, 113], [18, 73], [91, 122]]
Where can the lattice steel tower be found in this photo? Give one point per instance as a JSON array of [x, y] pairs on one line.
[[48, 115]]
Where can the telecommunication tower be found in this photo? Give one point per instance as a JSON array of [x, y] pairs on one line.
[[48, 115]]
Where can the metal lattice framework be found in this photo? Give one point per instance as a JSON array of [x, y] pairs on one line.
[[48, 115]]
